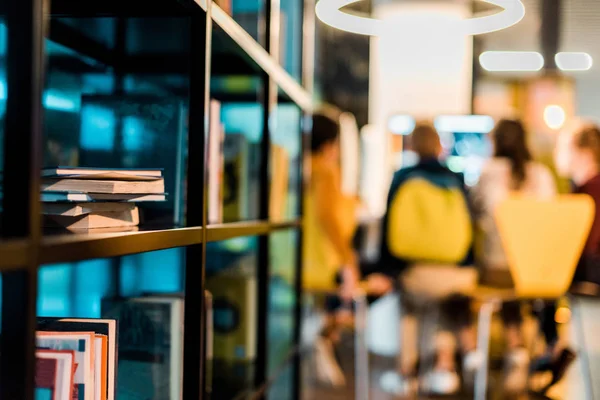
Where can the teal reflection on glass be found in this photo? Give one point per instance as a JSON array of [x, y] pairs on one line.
[[97, 128], [243, 118], [133, 130], [74, 289], [158, 271]]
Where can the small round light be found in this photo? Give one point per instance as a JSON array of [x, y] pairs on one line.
[[554, 116], [562, 316]]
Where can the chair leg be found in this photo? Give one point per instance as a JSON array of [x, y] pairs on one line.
[[361, 358], [483, 346]]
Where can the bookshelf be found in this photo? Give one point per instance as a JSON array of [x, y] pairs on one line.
[[70, 74]]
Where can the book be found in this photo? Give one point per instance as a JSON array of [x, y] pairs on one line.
[[234, 296], [216, 136], [236, 176], [104, 327], [115, 219], [65, 368], [46, 379], [79, 209], [280, 166], [50, 197], [82, 343], [156, 186], [99, 173], [150, 345], [100, 367]]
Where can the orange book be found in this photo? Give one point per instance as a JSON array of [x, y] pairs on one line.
[[102, 366]]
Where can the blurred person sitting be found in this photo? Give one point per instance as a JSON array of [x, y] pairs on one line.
[[510, 170], [427, 236], [330, 263], [330, 225]]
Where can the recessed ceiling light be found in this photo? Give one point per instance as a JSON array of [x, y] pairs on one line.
[[329, 11], [573, 61], [511, 61]]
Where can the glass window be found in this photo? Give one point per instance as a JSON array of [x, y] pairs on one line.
[[290, 37], [286, 163], [231, 280], [282, 298]]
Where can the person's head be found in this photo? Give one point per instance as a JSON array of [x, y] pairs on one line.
[[577, 153], [325, 136], [510, 141], [425, 141]]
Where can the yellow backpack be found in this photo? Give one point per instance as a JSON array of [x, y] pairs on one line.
[[429, 222]]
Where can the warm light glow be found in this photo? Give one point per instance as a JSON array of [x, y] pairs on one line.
[[554, 116], [329, 11], [573, 61], [562, 316], [511, 61]]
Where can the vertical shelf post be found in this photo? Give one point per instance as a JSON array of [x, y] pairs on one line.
[[269, 99], [26, 23], [194, 384]]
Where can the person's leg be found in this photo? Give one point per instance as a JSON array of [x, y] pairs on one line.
[[548, 325], [517, 357], [512, 320]]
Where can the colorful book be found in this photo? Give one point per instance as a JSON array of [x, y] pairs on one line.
[[82, 343], [62, 386], [104, 219], [102, 173], [50, 196], [101, 327], [156, 186]]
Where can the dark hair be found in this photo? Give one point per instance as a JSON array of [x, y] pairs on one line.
[[425, 140], [510, 141], [589, 138], [325, 130]]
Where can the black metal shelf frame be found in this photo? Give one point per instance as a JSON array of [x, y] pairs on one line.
[[23, 247]]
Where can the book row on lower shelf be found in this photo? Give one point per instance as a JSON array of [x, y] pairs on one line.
[[137, 340]]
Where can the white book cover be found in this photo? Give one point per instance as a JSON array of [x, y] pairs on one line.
[[216, 136]]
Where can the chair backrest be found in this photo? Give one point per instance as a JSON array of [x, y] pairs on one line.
[[543, 241]]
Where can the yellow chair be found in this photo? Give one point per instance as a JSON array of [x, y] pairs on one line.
[[543, 241]]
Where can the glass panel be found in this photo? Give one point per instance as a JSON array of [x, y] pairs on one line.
[[286, 163], [283, 387], [282, 298], [143, 294], [3, 95], [116, 97], [290, 37], [231, 279], [247, 13], [234, 161]]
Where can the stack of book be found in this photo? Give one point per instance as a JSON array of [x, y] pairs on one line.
[[95, 198], [76, 359]]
